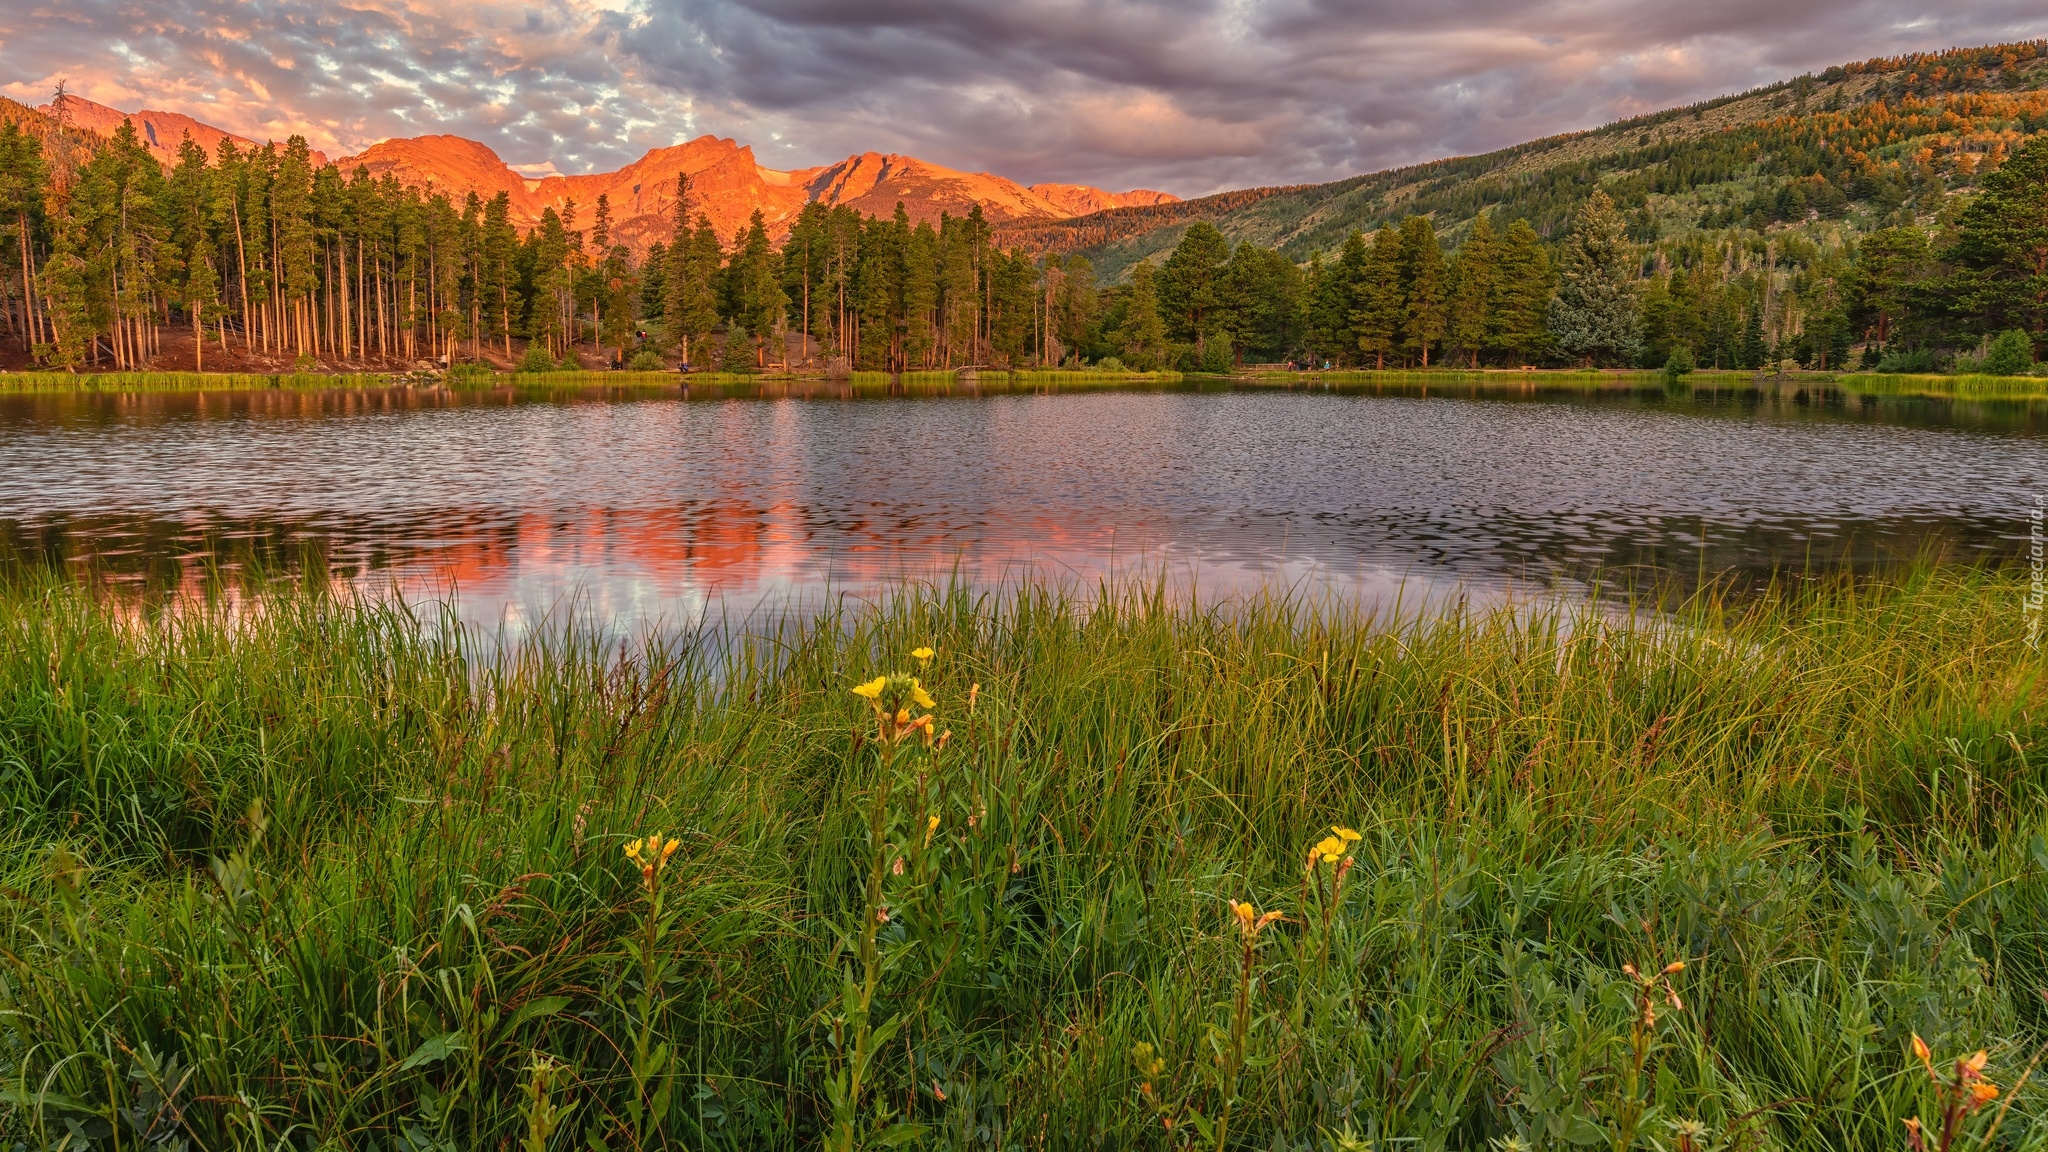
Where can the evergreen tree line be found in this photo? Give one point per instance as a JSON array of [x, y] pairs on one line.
[[1921, 296], [260, 251]]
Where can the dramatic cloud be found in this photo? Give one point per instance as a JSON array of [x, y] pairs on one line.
[[1185, 95]]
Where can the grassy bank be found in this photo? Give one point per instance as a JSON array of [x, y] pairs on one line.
[[1867, 383], [1964, 387], [181, 381], [322, 875]]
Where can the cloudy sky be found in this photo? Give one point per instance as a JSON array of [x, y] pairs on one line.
[[1190, 96]]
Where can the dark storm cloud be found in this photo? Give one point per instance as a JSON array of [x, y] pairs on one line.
[[1186, 95]]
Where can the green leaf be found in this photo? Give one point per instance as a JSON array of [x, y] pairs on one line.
[[435, 1049], [897, 1135], [535, 1009]]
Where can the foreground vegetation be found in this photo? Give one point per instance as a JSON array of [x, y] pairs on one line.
[[319, 872]]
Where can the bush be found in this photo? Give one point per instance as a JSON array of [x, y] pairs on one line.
[[1213, 356], [1110, 364], [2011, 354], [1910, 361], [1678, 363], [1216, 355], [536, 359], [738, 353], [469, 373], [647, 360]]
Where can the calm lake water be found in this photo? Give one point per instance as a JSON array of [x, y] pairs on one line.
[[650, 506]]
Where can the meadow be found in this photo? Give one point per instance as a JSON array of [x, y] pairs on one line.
[[293, 868]]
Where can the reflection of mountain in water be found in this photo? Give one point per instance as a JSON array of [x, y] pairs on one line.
[[653, 504]]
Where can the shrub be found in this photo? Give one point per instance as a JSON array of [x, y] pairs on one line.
[[1910, 360], [1678, 363], [738, 353], [647, 360], [469, 373], [2011, 354], [536, 359], [1110, 364]]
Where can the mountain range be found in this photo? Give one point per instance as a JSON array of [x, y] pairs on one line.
[[1880, 134], [726, 181], [1852, 148]]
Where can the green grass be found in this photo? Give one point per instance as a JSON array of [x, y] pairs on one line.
[[291, 869], [1963, 387], [179, 381], [1588, 380], [990, 379]]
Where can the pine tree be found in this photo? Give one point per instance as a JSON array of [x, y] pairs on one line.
[[1518, 326], [1330, 336], [1077, 303], [1262, 302], [918, 294], [1595, 317], [761, 304], [1143, 334], [23, 179], [2001, 248], [549, 243], [500, 247], [1475, 286], [1423, 310], [188, 202], [1378, 304], [689, 302], [1189, 282], [292, 218]]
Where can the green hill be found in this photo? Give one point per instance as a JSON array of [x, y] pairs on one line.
[[1854, 148]]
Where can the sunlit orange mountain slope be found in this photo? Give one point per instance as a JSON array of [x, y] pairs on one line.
[[727, 184]]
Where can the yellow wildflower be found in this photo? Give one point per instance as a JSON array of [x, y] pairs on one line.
[[1250, 920], [1920, 1049], [920, 697], [1330, 849], [923, 654], [1345, 834], [872, 689], [1983, 1092]]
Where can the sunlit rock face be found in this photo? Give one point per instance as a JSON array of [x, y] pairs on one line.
[[159, 132], [727, 185]]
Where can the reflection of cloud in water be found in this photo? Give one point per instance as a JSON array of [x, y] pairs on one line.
[[682, 510], [732, 561]]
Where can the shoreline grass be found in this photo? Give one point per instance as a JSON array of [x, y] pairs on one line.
[[2002, 389], [319, 872]]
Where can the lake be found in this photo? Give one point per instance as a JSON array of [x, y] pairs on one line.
[[650, 505]]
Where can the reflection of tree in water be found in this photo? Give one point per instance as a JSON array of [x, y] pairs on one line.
[[1538, 482]]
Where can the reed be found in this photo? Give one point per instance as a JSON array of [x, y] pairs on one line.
[[295, 868]]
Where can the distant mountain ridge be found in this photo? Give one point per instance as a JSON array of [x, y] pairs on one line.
[[160, 132], [726, 181]]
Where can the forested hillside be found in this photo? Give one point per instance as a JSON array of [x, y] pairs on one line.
[[1852, 149]]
